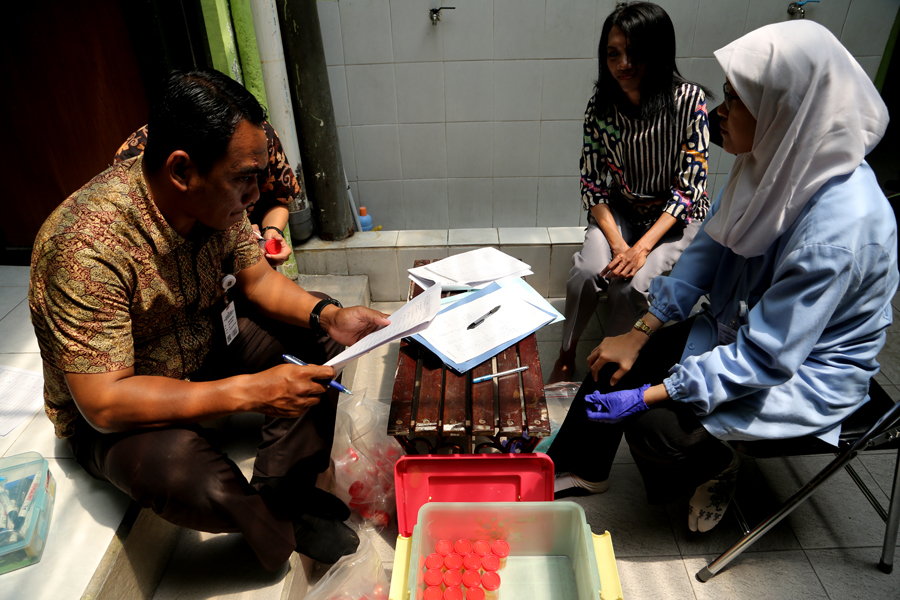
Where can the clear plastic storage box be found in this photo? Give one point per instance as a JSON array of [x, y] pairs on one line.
[[27, 492]]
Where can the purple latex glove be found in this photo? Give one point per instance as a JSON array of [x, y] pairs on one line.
[[615, 406]]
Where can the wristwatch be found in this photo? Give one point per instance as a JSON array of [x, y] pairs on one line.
[[267, 227], [314, 323], [641, 326]]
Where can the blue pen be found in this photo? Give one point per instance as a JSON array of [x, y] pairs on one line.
[[332, 383]]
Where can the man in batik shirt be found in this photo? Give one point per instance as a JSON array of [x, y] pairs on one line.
[[133, 282]]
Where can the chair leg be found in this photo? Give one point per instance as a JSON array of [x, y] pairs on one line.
[[708, 572], [893, 521]]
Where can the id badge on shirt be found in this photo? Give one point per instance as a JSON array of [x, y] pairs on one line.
[[727, 335], [229, 321]]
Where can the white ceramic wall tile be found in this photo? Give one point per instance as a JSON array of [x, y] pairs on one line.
[[571, 235], [338, 83], [377, 150], [420, 92], [407, 257], [604, 8], [372, 93], [523, 236], [868, 26], [517, 90], [423, 151], [560, 265], [516, 148], [348, 156], [559, 201], [425, 202], [567, 87], [515, 201], [569, 29], [326, 262], [470, 149], [380, 264], [684, 18], [366, 31], [469, 90], [469, 30], [561, 143], [470, 203], [538, 258], [766, 12], [86, 512], [708, 73], [518, 29], [14, 276], [415, 38], [354, 189], [330, 24], [715, 152], [711, 187], [372, 239], [583, 220], [16, 332], [726, 161], [422, 238], [870, 65], [384, 201], [473, 237], [719, 22]]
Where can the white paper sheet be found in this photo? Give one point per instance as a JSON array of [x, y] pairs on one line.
[[415, 316], [21, 395], [473, 269], [449, 332]]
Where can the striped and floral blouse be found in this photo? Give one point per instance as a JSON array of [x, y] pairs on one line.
[[653, 166]]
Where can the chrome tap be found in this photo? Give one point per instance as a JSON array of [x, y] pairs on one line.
[[796, 8], [435, 13]]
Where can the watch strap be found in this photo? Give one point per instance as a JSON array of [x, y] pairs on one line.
[[641, 326], [267, 227], [314, 323]]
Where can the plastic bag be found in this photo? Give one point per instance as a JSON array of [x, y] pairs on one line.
[[357, 576], [364, 457], [559, 397]]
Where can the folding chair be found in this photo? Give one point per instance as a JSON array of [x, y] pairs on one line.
[[874, 426]]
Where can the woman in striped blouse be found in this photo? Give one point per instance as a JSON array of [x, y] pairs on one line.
[[646, 131]]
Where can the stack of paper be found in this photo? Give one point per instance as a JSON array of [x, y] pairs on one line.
[[474, 269], [521, 312]]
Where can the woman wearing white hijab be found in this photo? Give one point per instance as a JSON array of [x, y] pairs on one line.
[[799, 259]]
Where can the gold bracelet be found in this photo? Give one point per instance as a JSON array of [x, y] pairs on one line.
[[641, 326]]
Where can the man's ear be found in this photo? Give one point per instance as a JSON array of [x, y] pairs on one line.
[[180, 169]]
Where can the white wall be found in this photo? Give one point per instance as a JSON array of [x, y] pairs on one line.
[[476, 122]]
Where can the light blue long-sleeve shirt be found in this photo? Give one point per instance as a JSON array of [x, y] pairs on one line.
[[819, 301]]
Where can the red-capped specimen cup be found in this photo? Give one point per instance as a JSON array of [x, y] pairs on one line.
[[434, 561], [490, 582], [452, 578], [453, 594], [471, 579], [453, 562], [434, 577], [481, 548], [463, 547], [500, 549], [474, 593], [444, 547], [490, 563], [273, 246], [472, 562], [433, 593]]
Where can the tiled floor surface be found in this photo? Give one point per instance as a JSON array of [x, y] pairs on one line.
[[828, 548]]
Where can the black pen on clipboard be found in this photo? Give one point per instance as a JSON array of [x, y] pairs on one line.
[[480, 320]]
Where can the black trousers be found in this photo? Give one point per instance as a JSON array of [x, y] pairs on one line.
[[672, 450], [180, 474]]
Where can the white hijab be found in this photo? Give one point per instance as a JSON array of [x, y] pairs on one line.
[[818, 115]]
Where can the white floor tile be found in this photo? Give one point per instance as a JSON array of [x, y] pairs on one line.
[[85, 517], [851, 573], [10, 297], [14, 276], [16, 332], [761, 576], [662, 577]]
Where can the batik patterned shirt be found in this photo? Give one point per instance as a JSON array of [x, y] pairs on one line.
[[654, 166], [113, 286], [277, 185]]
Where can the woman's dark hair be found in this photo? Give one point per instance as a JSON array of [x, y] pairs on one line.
[[197, 112], [651, 37]]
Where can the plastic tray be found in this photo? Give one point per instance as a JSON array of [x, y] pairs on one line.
[[553, 554], [419, 480], [31, 490]]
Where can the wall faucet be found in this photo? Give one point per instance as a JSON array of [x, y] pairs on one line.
[[435, 13], [796, 8]]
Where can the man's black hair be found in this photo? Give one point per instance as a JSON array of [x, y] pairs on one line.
[[197, 111], [651, 37]]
